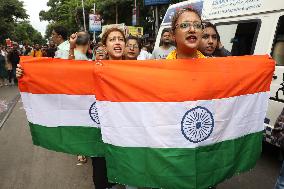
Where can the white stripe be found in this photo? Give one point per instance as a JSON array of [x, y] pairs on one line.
[[158, 124], [52, 110]]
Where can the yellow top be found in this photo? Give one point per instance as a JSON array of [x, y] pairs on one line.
[[173, 55], [36, 53]]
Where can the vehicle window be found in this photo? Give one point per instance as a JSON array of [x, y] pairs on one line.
[[239, 37], [227, 33], [278, 47]]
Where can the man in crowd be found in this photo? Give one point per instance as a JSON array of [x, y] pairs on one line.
[[51, 49], [27, 50], [278, 135], [44, 50], [3, 51], [144, 53], [3, 73], [166, 45], [59, 37], [36, 52], [79, 45], [13, 58]]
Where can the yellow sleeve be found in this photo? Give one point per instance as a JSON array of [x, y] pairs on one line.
[[31, 53]]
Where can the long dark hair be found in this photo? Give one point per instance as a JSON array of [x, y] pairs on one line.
[[217, 52], [210, 25]]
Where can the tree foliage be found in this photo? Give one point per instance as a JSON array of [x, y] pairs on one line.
[[13, 23], [69, 13], [25, 33], [10, 12]]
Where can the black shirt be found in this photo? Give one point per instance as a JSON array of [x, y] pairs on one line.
[[14, 57], [50, 52]]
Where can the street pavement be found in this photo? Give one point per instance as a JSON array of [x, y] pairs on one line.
[[25, 166]]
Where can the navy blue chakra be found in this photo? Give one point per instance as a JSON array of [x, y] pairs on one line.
[[93, 112], [197, 124]]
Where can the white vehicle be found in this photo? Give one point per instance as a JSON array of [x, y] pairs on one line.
[[246, 27]]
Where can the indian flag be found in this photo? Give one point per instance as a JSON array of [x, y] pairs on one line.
[[182, 124], [60, 103]]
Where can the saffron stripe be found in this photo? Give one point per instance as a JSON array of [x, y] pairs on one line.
[[153, 81]]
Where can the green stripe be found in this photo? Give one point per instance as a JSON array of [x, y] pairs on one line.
[[183, 168], [72, 140]]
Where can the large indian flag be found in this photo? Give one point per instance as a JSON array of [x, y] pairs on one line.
[[59, 99], [178, 124], [182, 124]]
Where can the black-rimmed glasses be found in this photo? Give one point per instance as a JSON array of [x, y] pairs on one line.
[[186, 25]]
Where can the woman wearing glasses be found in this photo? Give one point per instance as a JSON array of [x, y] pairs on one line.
[[132, 48], [187, 31], [100, 52]]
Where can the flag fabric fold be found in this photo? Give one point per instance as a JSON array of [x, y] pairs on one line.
[[59, 100], [166, 124], [183, 123]]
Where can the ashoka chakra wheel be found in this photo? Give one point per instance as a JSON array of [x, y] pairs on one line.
[[197, 124], [94, 113]]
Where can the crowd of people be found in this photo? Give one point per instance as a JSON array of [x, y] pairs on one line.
[[10, 57], [189, 37], [205, 36]]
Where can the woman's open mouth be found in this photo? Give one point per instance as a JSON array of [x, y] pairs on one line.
[[191, 38]]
